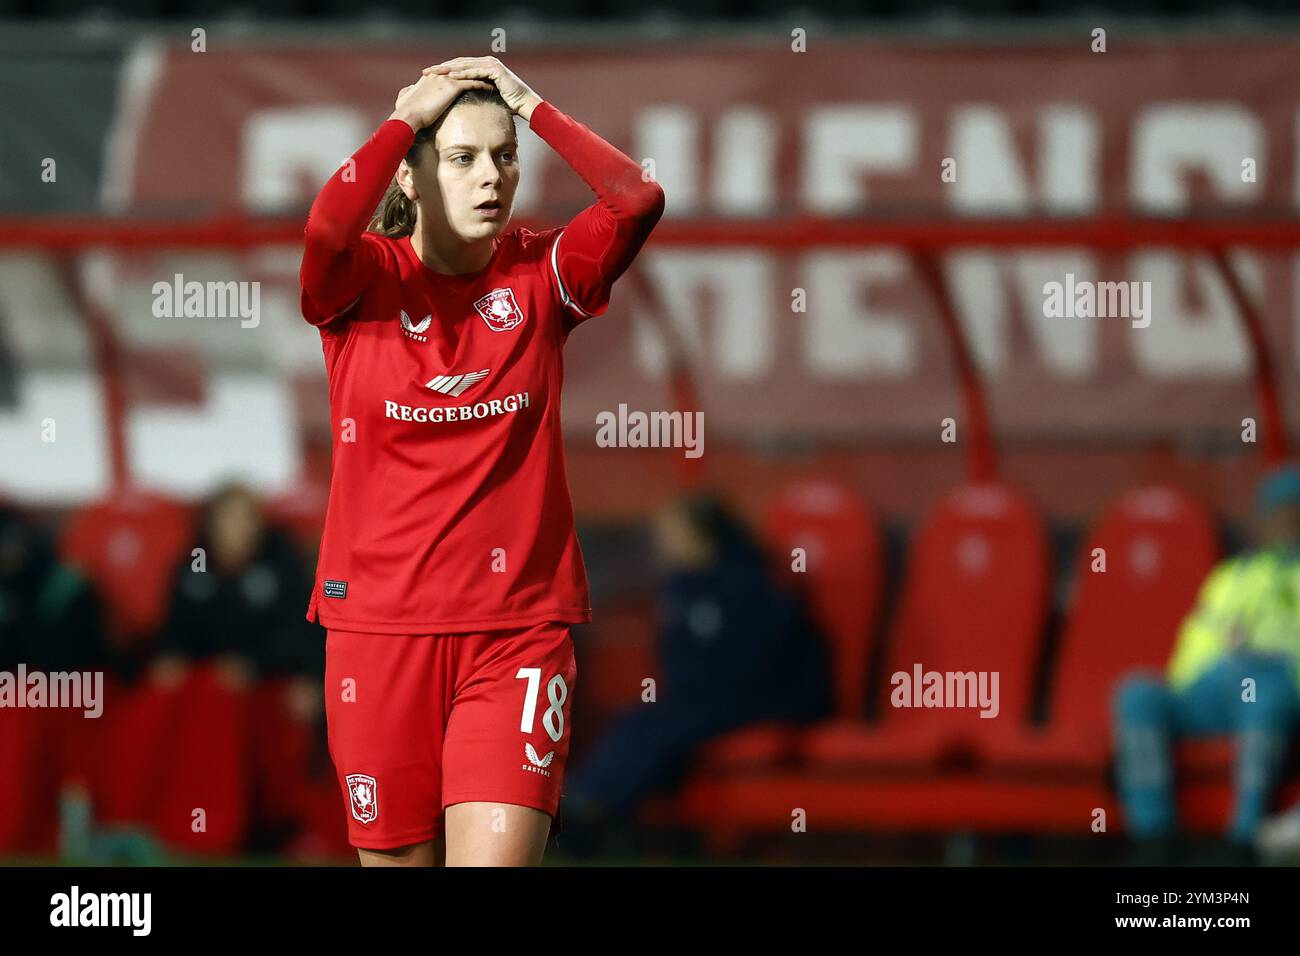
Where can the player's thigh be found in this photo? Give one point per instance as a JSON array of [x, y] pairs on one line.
[[385, 736], [507, 740], [428, 853], [495, 834]]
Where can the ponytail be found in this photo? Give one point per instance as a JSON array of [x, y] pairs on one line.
[[395, 217]]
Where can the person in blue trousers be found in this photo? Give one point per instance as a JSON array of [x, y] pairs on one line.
[[734, 648], [1235, 671]]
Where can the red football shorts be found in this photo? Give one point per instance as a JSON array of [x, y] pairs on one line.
[[420, 722]]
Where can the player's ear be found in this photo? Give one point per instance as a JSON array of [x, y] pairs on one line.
[[406, 181]]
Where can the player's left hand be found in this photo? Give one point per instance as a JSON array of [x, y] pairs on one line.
[[517, 94]]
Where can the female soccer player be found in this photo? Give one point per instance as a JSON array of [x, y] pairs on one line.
[[449, 570]]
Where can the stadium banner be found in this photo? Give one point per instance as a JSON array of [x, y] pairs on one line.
[[836, 341]]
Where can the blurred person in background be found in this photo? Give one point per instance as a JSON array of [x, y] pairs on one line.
[[241, 611], [49, 615], [1235, 670], [734, 649], [49, 622], [236, 607]]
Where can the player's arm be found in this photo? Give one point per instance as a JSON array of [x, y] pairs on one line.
[[598, 245], [338, 261]]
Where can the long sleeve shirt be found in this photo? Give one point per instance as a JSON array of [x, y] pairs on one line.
[[449, 506]]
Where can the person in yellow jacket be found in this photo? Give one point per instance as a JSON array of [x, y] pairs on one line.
[[1235, 670]]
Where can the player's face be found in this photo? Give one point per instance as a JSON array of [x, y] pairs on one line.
[[475, 164]]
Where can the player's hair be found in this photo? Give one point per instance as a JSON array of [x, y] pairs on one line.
[[395, 216]]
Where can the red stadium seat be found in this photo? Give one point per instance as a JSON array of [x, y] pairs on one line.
[[841, 584], [241, 756], [845, 574], [974, 599], [885, 802], [128, 546], [1159, 544], [29, 796], [138, 733], [208, 768], [281, 752], [325, 829], [761, 744]]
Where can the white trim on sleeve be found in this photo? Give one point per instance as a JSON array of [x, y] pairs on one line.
[[565, 298]]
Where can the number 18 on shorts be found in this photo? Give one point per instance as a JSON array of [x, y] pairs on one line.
[[420, 722]]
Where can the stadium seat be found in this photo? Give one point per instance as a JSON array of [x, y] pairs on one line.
[[974, 599], [208, 768], [1159, 543], [325, 829], [29, 797], [239, 755], [845, 574], [841, 585], [885, 802], [128, 546], [138, 733], [281, 752]]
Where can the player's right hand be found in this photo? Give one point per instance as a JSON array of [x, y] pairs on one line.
[[421, 103]]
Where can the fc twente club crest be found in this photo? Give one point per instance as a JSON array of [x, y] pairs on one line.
[[364, 794], [500, 310]]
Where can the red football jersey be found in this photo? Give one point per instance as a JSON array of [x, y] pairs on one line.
[[449, 506]]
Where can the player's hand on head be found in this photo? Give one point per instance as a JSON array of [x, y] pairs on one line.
[[421, 103], [517, 94]]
